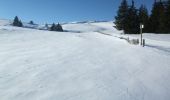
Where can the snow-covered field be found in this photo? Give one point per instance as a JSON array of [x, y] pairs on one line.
[[83, 64]]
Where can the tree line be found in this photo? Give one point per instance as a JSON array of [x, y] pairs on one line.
[[129, 18], [17, 22]]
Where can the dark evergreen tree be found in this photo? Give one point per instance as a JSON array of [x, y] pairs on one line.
[[162, 19], [59, 28], [31, 22], [120, 19], [53, 27], [157, 18], [144, 17], [17, 22], [167, 24], [20, 24], [132, 21], [154, 19], [46, 26]]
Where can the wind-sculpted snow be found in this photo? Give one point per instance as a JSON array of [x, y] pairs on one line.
[[44, 65]]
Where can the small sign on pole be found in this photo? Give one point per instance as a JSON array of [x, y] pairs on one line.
[[141, 26]]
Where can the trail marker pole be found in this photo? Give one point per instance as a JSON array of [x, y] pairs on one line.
[[141, 27]]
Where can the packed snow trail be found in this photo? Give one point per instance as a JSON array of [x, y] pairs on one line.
[[43, 65]]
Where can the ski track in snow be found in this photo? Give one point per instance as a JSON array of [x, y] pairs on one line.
[[43, 65]]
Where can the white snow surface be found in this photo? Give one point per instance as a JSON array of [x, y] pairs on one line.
[[83, 64]]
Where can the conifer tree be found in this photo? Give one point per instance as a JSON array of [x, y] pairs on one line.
[[167, 24], [20, 24], [53, 27], [132, 21], [59, 28], [46, 26], [120, 19], [154, 19], [162, 19], [157, 18], [31, 22], [17, 22], [144, 17]]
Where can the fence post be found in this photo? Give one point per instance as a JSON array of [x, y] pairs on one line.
[[143, 42]]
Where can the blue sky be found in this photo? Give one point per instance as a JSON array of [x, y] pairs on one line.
[[48, 11]]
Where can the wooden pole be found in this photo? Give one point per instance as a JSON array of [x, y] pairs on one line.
[[141, 34], [143, 42]]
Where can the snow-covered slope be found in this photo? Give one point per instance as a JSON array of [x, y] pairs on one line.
[[4, 22], [91, 27], [82, 64]]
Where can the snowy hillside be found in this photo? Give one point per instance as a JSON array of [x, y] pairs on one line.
[[82, 64]]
